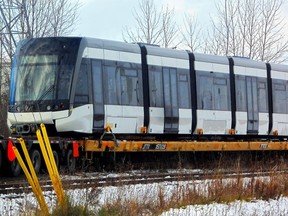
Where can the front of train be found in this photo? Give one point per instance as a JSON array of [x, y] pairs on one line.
[[40, 83]]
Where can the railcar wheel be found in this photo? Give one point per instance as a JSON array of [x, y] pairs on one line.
[[36, 159], [14, 168], [56, 158], [71, 162], [109, 161]]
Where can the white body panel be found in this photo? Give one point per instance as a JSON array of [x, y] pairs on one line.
[[247, 71], [124, 119], [34, 117], [97, 53], [241, 123], [263, 123], [279, 75], [208, 66], [167, 62], [185, 121], [156, 120], [280, 123], [80, 120], [37, 117], [214, 122]]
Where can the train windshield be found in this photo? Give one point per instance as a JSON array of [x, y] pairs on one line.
[[36, 77], [43, 69]]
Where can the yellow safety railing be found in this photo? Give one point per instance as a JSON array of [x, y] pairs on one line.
[[31, 176], [50, 163], [51, 167]]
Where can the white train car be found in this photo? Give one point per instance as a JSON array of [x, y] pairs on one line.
[[169, 91], [279, 77], [84, 85], [251, 90], [116, 85], [213, 94]]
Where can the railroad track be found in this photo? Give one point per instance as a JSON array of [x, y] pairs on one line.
[[19, 187]]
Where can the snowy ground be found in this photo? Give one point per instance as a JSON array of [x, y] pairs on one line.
[[257, 208], [12, 204]]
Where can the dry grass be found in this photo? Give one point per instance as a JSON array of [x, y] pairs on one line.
[[219, 190], [125, 200]]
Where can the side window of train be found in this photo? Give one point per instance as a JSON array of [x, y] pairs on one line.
[[122, 83], [241, 94], [130, 87], [156, 86], [213, 91], [82, 86], [221, 92], [98, 93], [279, 91], [97, 82], [64, 81], [240, 86], [184, 95], [204, 90], [109, 83], [262, 95]]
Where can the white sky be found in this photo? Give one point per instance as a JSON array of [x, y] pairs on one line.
[[107, 18]]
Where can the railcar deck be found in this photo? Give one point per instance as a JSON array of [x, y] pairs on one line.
[[185, 146]]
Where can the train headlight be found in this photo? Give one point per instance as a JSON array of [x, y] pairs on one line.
[[13, 129], [33, 128], [48, 108], [25, 129], [18, 108], [19, 129]]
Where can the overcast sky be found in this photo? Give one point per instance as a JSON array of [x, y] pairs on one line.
[[107, 18]]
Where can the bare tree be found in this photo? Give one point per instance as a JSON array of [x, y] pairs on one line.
[[25, 19], [191, 33], [64, 14], [35, 18], [148, 29], [153, 25], [169, 28], [249, 28]]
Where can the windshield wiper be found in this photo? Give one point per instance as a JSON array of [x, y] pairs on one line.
[[45, 93]]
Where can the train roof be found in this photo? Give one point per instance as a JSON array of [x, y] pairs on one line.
[[279, 67], [166, 52], [246, 62], [211, 58], [173, 53], [112, 45]]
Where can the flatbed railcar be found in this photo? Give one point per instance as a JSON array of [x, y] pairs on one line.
[[139, 97]]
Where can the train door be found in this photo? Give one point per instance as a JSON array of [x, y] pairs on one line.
[[252, 105], [98, 103], [83, 85], [171, 108]]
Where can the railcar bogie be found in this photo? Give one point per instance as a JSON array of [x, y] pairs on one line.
[[12, 168], [36, 159], [63, 151]]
